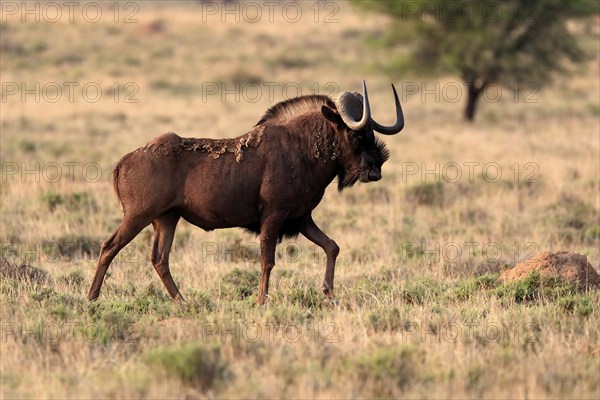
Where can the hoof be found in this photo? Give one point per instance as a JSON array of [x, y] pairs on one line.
[[262, 300], [179, 299], [332, 302]]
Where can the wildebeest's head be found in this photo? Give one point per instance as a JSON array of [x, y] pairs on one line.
[[362, 154]]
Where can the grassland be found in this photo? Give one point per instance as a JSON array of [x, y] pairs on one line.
[[420, 312]]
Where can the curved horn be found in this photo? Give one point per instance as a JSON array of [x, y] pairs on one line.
[[398, 125], [366, 113]]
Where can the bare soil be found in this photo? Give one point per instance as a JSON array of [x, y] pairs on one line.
[[568, 267]]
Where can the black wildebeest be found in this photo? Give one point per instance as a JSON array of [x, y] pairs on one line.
[[268, 180]]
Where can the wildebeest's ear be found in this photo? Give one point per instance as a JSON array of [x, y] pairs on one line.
[[331, 115]]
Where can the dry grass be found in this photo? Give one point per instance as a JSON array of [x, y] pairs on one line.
[[414, 320]]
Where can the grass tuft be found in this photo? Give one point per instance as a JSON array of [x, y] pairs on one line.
[[200, 365], [240, 284], [383, 371]]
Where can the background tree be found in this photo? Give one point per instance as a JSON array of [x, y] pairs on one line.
[[506, 42]]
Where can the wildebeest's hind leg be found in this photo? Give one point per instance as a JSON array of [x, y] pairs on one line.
[[127, 230], [312, 232], [164, 233]]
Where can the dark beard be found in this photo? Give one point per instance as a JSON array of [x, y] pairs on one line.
[[347, 178]]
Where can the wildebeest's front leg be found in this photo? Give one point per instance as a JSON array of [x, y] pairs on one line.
[[269, 232], [312, 232]]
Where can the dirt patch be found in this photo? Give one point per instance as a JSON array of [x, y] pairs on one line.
[[22, 273], [155, 27], [568, 267], [216, 147]]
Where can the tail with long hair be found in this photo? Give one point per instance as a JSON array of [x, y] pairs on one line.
[[116, 173]]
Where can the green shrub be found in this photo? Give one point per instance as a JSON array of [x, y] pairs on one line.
[[42, 294], [306, 297], [487, 281], [52, 199], [119, 324], [409, 251], [241, 284], [420, 291], [592, 233], [527, 289], [387, 320], [70, 246], [72, 201], [194, 364], [75, 278], [381, 371], [570, 218], [426, 194], [199, 302], [374, 284], [581, 305], [467, 288], [60, 311], [27, 146], [535, 287], [154, 300]]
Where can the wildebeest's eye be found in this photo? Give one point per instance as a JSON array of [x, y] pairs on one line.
[[355, 137]]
